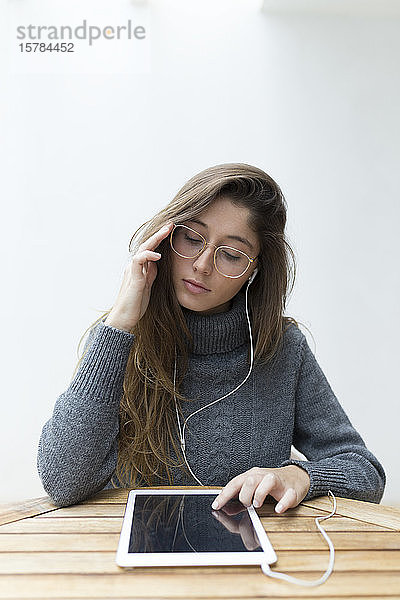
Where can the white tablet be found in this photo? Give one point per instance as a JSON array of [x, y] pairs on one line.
[[168, 527]]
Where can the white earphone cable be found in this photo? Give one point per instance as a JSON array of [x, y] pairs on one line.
[[182, 431], [267, 570], [264, 566]]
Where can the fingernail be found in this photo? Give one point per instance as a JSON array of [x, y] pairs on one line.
[[278, 507], [257, 503], [214, 505]]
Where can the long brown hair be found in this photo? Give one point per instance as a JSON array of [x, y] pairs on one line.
[[147, 411]]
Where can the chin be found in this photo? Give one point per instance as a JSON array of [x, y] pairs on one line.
[[209, 309], [193, 304]]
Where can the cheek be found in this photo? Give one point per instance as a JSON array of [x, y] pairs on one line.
[[229, 287], [176, 266], [241, 285]]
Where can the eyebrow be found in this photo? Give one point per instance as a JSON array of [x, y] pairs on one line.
[[231, 237]]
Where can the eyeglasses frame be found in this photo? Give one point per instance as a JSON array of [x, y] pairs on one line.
[[215, 251]]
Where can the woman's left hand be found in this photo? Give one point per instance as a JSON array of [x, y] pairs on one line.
[[288, 484]]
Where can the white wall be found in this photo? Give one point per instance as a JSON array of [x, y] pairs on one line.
[[95, 146]]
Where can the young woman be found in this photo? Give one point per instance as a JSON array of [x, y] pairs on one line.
[[195, 376]]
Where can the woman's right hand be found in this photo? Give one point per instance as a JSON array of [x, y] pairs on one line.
[[139, 275]]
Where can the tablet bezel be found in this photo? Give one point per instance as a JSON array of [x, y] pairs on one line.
[[163, 559]]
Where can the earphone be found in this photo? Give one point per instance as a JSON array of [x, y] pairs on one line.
[[264, 566], [251, 279]]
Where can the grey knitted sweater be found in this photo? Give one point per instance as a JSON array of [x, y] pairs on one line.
[[284, 403]]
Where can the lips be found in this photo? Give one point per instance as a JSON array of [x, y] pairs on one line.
[[193, 282]]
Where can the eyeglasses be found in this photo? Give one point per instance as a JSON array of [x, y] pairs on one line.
[[228, 261]]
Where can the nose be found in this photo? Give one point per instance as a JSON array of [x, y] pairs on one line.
[[205, 261]]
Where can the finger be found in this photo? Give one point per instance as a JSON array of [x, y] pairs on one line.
[[288, 500], [270, 484], [157, 237], [143, 256], [140, 261], [231, 490], [249, 486]]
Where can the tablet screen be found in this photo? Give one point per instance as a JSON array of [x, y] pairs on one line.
[[187, 523]]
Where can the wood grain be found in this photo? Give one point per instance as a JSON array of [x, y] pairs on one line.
[[368, 512], [91, 542], [106, 524], [183, 585], [104, 562], [28, 508], [49, 553]]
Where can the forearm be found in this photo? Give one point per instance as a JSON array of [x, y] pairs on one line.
[[77, 451], [347, 475], [78, 446], [338, 458]]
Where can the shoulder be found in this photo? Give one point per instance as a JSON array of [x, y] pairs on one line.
[[292, 334], [288, 348], [287, 357], [295, 343], [291, 346]]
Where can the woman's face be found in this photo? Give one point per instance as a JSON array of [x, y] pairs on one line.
[[221, 220]]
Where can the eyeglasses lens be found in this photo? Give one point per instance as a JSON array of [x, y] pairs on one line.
[[189, 244]]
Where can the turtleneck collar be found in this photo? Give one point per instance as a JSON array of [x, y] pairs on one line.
[[219, 332]]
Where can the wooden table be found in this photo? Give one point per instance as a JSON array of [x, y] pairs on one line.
[[50, 552]]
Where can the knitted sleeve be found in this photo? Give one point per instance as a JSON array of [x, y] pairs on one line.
[[78, 448], [337, 456]]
